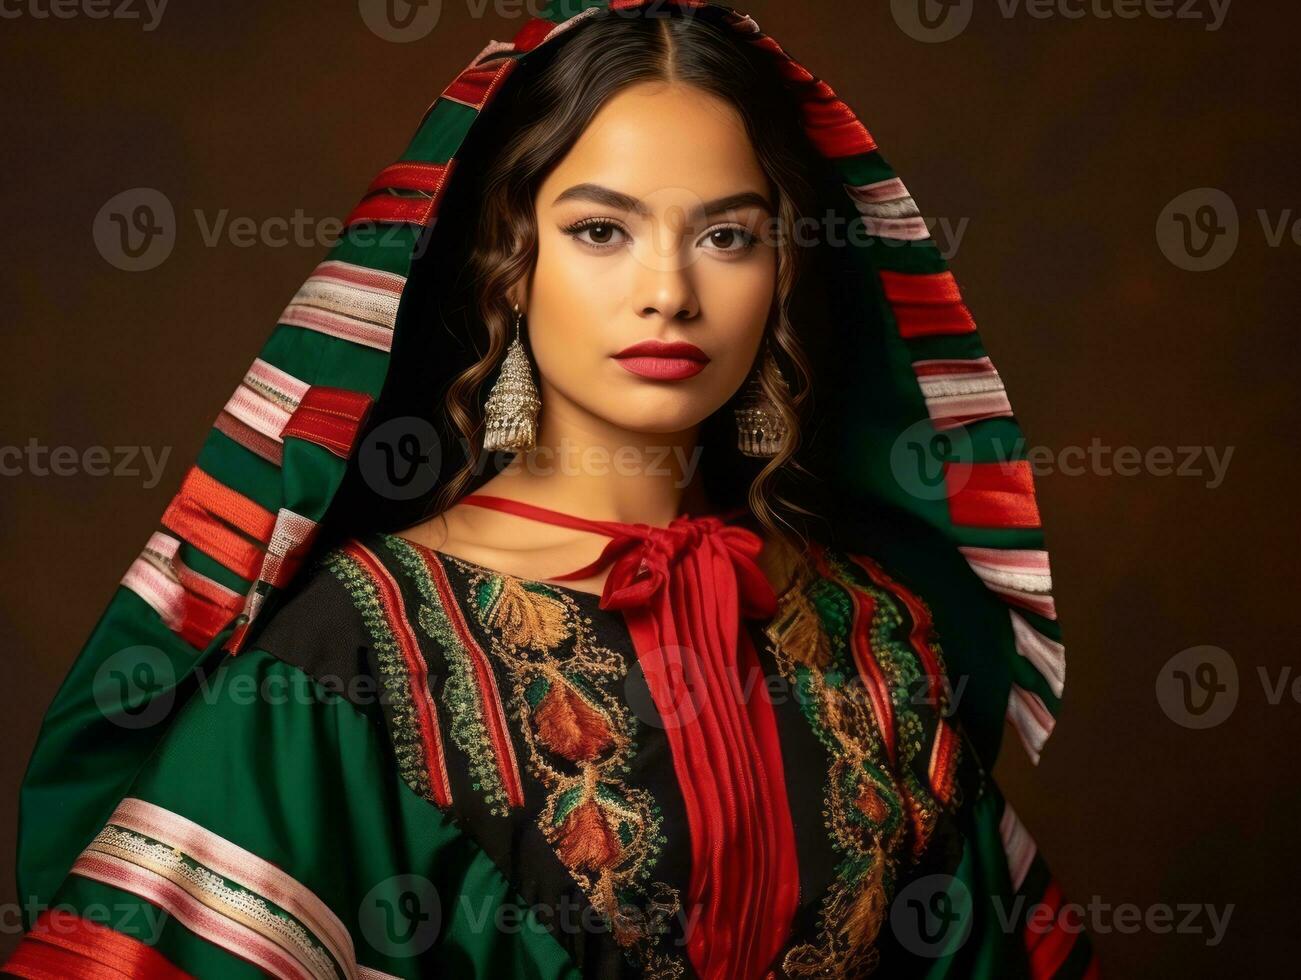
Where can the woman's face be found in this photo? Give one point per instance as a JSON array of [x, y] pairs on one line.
[[651, 232]]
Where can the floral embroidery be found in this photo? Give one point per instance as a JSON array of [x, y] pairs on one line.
[[561, 689], [580, 739], [855, 682]]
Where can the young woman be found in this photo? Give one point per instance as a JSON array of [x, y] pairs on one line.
[[623, 576]]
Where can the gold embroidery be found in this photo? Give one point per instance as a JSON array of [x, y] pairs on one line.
[[580, 739], [870, 804], [528, 618]]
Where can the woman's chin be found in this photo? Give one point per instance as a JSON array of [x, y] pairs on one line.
[[659, 413]]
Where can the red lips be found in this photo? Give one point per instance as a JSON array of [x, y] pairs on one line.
[[661, 360]]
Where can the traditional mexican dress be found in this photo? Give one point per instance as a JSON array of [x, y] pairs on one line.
[[299, 748]]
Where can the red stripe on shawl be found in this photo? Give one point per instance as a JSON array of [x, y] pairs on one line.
[[477, 84], [64, 946], [1049, 943], [230, 505], [927, 305], [329, 417], [209, 535], [832, 126], [532, 34], [992, 494], [409, 175], [393, 209], [426, 713]]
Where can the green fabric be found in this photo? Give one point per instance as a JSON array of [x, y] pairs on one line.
[[990, 951], [269, 760], [106, 717]]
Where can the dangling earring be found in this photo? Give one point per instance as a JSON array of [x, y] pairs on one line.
[[761, 431], [511, 413]]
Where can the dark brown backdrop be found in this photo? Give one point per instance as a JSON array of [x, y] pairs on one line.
[[1055, 143]]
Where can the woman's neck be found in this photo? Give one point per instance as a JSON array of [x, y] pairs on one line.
[[588, 466]]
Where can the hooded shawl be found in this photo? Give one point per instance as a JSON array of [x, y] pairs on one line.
[[916, 454]]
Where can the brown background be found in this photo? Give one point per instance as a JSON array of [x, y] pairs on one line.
[[1060, 141]]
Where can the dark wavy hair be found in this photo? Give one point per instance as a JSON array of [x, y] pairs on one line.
[[543, 117]]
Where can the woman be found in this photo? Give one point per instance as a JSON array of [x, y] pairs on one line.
[[706, 680]]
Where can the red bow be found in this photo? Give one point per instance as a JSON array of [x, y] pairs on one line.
[[645, 557]]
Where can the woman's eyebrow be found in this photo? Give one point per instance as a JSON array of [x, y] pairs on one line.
[[607, 196]]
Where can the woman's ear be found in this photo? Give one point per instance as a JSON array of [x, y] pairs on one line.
[[517, 296]]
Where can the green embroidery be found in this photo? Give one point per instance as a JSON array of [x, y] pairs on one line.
[[461, 694], [408, 749]]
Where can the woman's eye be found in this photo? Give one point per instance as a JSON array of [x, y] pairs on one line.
[[731, 238], [600, 234]]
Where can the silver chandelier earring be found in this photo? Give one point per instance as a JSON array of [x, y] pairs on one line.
[[761, 431], [511, 412]]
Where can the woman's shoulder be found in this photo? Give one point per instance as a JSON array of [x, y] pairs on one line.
[[328, 620]]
